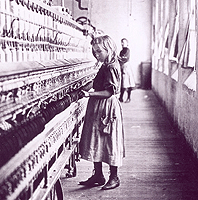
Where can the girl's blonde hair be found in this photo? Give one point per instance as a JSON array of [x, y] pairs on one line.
[[109, 45]]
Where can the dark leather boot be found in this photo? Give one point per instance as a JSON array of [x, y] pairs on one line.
[[94, 180], [128, 100], [112, 183], [97, 179]]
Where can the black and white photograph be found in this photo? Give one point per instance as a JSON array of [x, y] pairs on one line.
[[98, 100]]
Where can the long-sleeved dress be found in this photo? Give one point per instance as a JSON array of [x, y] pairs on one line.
[[102, 138], [127, 72]]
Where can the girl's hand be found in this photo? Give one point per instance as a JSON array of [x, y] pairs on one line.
[[84, 93]]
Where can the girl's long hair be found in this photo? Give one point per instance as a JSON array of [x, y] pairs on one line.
[[109, 45]]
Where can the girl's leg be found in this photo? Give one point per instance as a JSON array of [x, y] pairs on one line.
[[129, 94], [122, 94], [98, 168]]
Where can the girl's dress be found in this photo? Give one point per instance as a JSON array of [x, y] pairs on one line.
[[102, 138]]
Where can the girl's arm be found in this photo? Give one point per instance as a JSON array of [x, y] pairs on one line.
[[100, 94]]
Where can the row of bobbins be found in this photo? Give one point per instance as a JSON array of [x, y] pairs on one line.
[[31, 32]]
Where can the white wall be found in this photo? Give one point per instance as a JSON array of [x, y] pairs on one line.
[[141, 25]]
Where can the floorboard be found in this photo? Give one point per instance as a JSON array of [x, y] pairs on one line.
[[158, 164]]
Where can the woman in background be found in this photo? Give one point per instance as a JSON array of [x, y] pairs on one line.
[[102, 138], [128, 82]]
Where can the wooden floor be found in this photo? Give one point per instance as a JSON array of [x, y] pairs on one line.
[[158, 164]]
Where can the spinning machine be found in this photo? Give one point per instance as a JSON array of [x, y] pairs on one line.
[[45, 61]]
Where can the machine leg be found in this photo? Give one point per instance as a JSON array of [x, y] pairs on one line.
[[56, 193]]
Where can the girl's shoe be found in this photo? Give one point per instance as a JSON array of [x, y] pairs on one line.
[[94, 180], [120, 99], [128, 100], [112, 183]]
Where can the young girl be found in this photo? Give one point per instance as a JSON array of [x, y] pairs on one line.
[[102, 138], [128, 82]]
